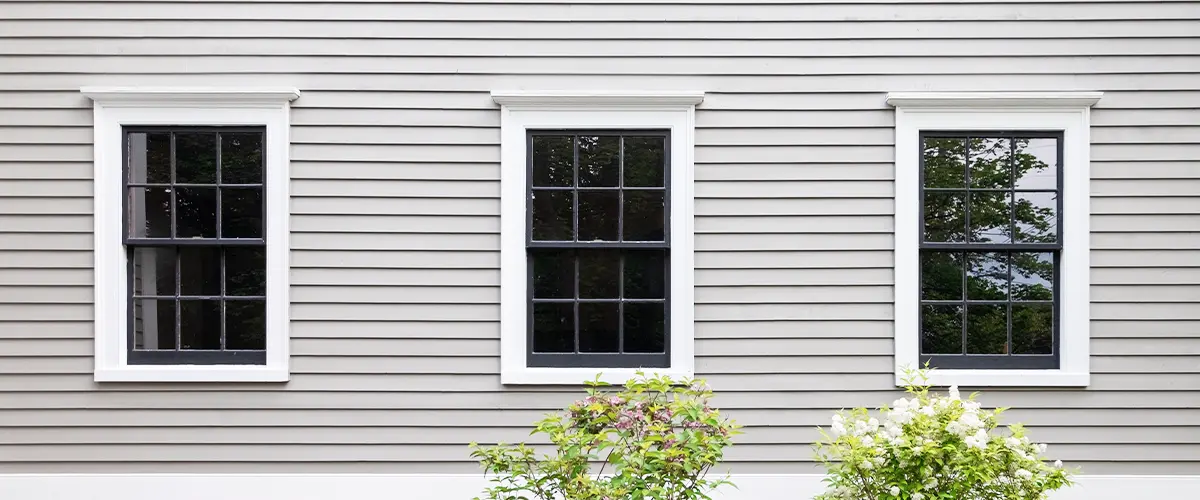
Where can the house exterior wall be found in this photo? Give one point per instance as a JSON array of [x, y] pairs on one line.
[[395, 218]]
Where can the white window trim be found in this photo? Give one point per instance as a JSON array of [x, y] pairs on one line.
[[522, 110], [1065, 111], [115, 107]]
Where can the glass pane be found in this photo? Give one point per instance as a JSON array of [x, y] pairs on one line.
[[552, 215], [1033, 328], [991, 163], [599, 212], [645, 274], [987, 329], [599, 274], [553, 161], [941, 275], [991, 217], [150, 212], [945, 216], [196, 158], [153, 324], [941, 329], [197, 212], [245, 324], [1037, 217], [553, 274], [645, 161], [241, 158], [154, 272], [200, 271], [987, 276], [599, 161], [149, 158], [245, 271], [599, 325], [1036, 164], [945, 163], [200, 324], [241, 213], [645, 327], [554, 327], [645, 216], [1032, 276]]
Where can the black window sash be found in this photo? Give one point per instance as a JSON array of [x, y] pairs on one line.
[[179, 355], [597, 360], [993, 361]]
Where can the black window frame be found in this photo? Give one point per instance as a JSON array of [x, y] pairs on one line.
[[1008, 361], [130, 243], [596, 360]]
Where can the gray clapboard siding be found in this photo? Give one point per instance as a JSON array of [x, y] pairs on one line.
[[395, 216]]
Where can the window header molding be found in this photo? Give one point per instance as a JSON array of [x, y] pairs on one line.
[[951, 100], [597, 98], [256, 97]]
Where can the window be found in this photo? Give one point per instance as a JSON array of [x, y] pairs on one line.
[[191, 234], [596, 238], [990, 246], [992, 237], [195, 245], [598, 249]]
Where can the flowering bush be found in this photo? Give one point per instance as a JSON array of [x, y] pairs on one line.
[[657, 438], [933, 447]]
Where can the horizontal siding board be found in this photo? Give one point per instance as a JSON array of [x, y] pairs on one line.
[[347, 64], [589, 29], [546, 401], [356, 328], [774, 435], [457, 452], [349, 205], [715, 83], [354, 274], [401, 224], [876, 263], [631, 12], [325, 418], [249, 44]]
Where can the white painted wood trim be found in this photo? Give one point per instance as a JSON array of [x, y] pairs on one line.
[[575, 98], [1054, 100], [1073, 119], [467, 486], [116, 108], [571, 110], [269, 97]]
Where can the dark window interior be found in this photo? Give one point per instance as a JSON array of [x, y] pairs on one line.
[[598, 248], [195, 246], [990, 251]]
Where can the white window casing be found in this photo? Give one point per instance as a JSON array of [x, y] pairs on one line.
[[524, 110], [987, 111], [116, 107]]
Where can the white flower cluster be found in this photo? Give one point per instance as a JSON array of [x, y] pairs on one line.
[[890, 459]]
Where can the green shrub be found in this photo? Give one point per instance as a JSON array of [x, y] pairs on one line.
[[655, 439], [933, 447]]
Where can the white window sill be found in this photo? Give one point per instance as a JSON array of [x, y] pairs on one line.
[[192, 373], [1004, 378], [577, 376]]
